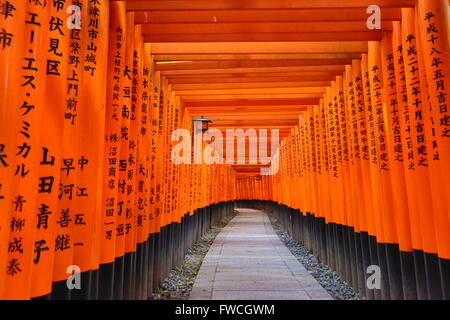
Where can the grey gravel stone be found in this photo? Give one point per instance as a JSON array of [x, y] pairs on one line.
[[178, 285], [326, 277]]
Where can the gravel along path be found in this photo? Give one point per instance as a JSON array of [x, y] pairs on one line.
[[326, 277], [179, 284]]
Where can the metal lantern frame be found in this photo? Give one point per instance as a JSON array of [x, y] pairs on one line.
[[204, 121]]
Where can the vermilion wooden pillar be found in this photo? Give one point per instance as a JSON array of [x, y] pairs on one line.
[[151, 125], [354, 234], [13, 29], [125, 115], [52, 152], [426, 259], [143, 171], [86, 219], [432, 21], [375, 217], [112, 136], [433, 24], [401, 260], [409, 163], [21, 243], [42, 243], [359, 159], [131, 162]]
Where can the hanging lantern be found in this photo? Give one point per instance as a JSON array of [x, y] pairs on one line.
[[202, 122]]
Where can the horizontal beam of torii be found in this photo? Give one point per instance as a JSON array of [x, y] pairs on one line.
[[261, 4]]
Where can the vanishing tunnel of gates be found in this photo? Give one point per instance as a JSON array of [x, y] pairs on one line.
[[88, 107]]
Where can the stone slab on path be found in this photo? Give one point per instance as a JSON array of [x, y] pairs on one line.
[[247, 261]]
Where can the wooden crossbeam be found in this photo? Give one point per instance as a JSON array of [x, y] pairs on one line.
[[244, 104], [196, 86], [264, 70], [254, 57], [266, 47], [304, 90], [248, 112], [251, 79], [259, 37], [261, 15], [253, 96], [282, 129], [260, 4], [305, 74], [251, 122], [258, 27], [282, 133], [196, 67], [247, 115]]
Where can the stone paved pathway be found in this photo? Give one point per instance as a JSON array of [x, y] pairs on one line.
[[247, 261]]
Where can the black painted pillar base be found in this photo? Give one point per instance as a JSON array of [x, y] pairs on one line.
[[360, 270], [433, 276], [365, 262], [353, 262], [444, 268], [374, 260], [140, 271], [43, 298], [151, 252], [118, 278], [156, 259], [93, 293], [421, 281], [60, 291], [408, 275], [128, 276], [382, 260], [83, 292], [394, 271], [106, 281]]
